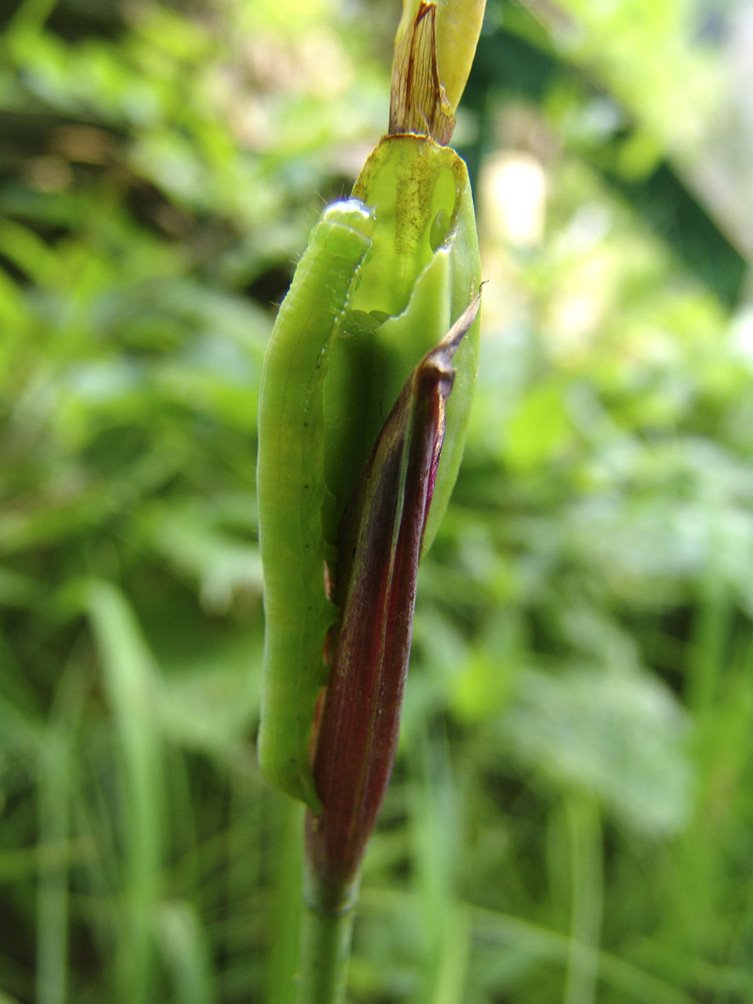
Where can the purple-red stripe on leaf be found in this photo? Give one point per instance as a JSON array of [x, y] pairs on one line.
[[380, 547]]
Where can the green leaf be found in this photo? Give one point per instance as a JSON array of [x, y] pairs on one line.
[[620, 736]]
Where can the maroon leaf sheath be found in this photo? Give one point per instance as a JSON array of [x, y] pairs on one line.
[[380, 548]]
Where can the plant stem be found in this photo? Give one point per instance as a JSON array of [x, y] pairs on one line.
[[325, 948], [285, 918], [584, 824], [325, 955]]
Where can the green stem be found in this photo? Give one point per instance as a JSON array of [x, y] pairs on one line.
[[325, 945], [286, 914], [325, 955], [584, 824]]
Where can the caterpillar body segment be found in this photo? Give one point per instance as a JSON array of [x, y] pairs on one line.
[[292, 492]]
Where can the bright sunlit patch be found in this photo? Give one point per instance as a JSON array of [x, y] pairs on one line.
[[742, 334], [513, 191]]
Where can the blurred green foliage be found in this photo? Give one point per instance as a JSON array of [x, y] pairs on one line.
[[570, 815]]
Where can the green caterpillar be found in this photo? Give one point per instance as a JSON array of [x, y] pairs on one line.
[[292, 491], [383, 277]]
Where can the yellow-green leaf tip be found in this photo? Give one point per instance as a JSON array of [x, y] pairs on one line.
[[434, 48]]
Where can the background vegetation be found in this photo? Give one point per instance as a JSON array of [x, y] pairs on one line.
[[571, 814]]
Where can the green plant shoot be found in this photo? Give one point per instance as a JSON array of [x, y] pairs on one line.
[[384, 276]]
